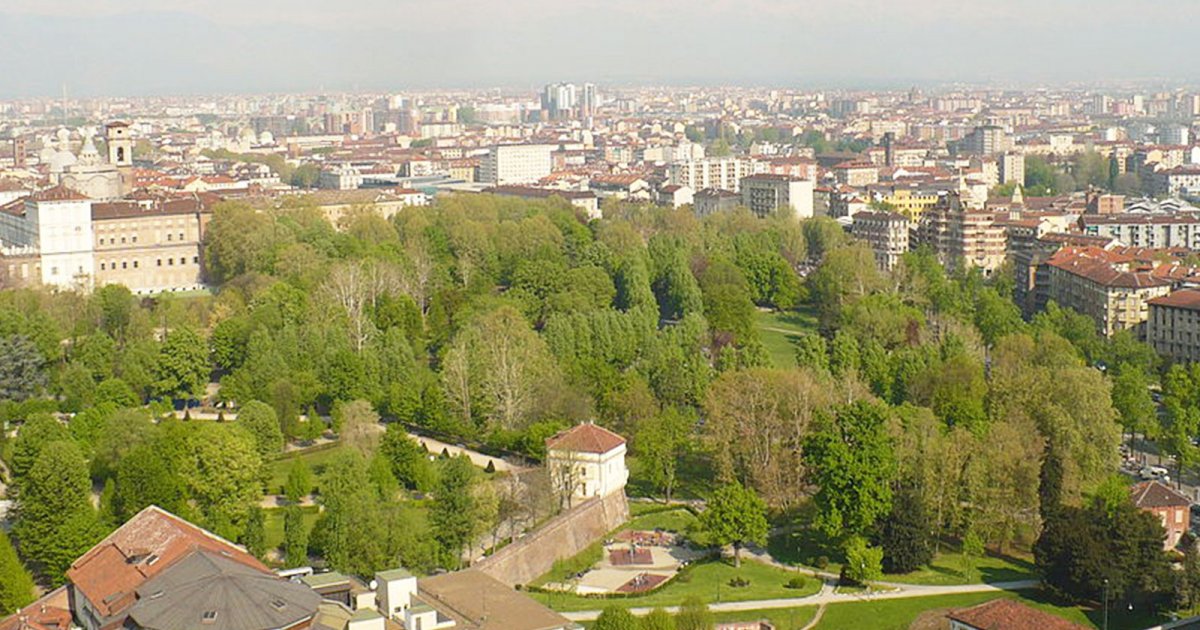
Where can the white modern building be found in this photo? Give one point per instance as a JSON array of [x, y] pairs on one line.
[[765, 193], [587, 461], [508, 164], [719, 173]]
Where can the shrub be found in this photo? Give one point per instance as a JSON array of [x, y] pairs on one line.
[[823, 562], [796, 583], [739, 582]]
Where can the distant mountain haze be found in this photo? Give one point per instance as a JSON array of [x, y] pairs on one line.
[[140, 47]]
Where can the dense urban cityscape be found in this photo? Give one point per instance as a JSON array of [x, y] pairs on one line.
[[595, 353]]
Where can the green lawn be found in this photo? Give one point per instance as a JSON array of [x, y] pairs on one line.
[[779, 331], [274, 524], [898, 614], [782, 619], [805, 546], [709, 581], [317, 460], [678, 520]]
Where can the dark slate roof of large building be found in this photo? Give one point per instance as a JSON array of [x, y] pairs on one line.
[[209, 590]]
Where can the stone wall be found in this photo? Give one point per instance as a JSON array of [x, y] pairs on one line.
[[561, 537]]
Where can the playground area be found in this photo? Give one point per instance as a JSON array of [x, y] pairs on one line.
[[635, 561]]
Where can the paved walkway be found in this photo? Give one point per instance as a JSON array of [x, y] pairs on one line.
[[479, 459], [827, 596]]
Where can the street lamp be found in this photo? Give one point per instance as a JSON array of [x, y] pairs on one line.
[[1105, 603]]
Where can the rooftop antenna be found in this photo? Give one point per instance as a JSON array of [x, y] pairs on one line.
[[64, 103]]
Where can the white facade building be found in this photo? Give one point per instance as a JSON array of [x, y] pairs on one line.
[[587, 461], [516, 164], [719, 173], [764, 194], [57, 224]]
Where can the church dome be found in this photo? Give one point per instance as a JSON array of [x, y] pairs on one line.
[[61, 161]]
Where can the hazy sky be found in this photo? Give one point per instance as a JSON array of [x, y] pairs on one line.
[[115, 47]]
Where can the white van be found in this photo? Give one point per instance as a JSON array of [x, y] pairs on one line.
[[1155, 472]]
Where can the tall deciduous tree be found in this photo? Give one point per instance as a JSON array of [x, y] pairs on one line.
[[736, 516], [183, 365], [660, 442], [53, 495], [295, 537], [453, 515], [259, 419], [853, 465]]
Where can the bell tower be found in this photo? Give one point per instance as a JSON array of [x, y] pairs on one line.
[[120, 144]]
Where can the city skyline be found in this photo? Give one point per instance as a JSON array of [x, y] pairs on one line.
[[133, 47]]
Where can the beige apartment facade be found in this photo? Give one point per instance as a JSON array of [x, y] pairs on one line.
[[1173, 325]]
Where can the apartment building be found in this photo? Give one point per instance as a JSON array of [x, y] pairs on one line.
[[856, 174], [721, 173], [1012, 168], [706, 202], [764, 194], [508, 164], [1146, 230], [985, 140], [1181, 181], [910, 201], [886, 233], [962, 237], [1100, 285], [1173, 325]]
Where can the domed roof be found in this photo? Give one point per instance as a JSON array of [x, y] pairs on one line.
[[61, 160], [209, 590], [89, 155]]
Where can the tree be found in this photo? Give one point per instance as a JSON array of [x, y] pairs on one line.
[[409, 460], [299, 482], [352, 530], [864, 563], [727, 303], [22, 373], [145, 477], [454, 507], [55, 491], [221, 471], [658, 619], [756, 422], [906, 534], [1131, 398], [972, 551], [694, 615], [295, 536], [812, 352], [660, 442], [16, 585], [259, 419], [852, 463], [358, 425], [34, 435], [735, 516], [616, 618], [254, 537], [183, 365]]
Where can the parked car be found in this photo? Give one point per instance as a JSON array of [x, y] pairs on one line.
[[1154, 472]]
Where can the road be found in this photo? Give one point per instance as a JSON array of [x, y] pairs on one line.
[[827, 595]]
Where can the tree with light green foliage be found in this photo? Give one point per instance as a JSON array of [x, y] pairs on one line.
[[864, 563], [694, 615], [295, 537], [299, 482], [658, 619], [259, 419], [735, 515], [16, 584]]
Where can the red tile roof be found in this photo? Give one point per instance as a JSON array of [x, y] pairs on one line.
[[1006, 614], [51, 612], [1184, 298], [585, 438], [58, 193], [1155, 494], [109, 574]]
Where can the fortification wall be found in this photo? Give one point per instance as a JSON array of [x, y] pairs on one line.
[[561, 537]]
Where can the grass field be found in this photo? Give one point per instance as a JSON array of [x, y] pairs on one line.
[[316, 459], [779, 331], [782, 619], [679, 520], [274, 524], [709, 581], [898, 614]]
